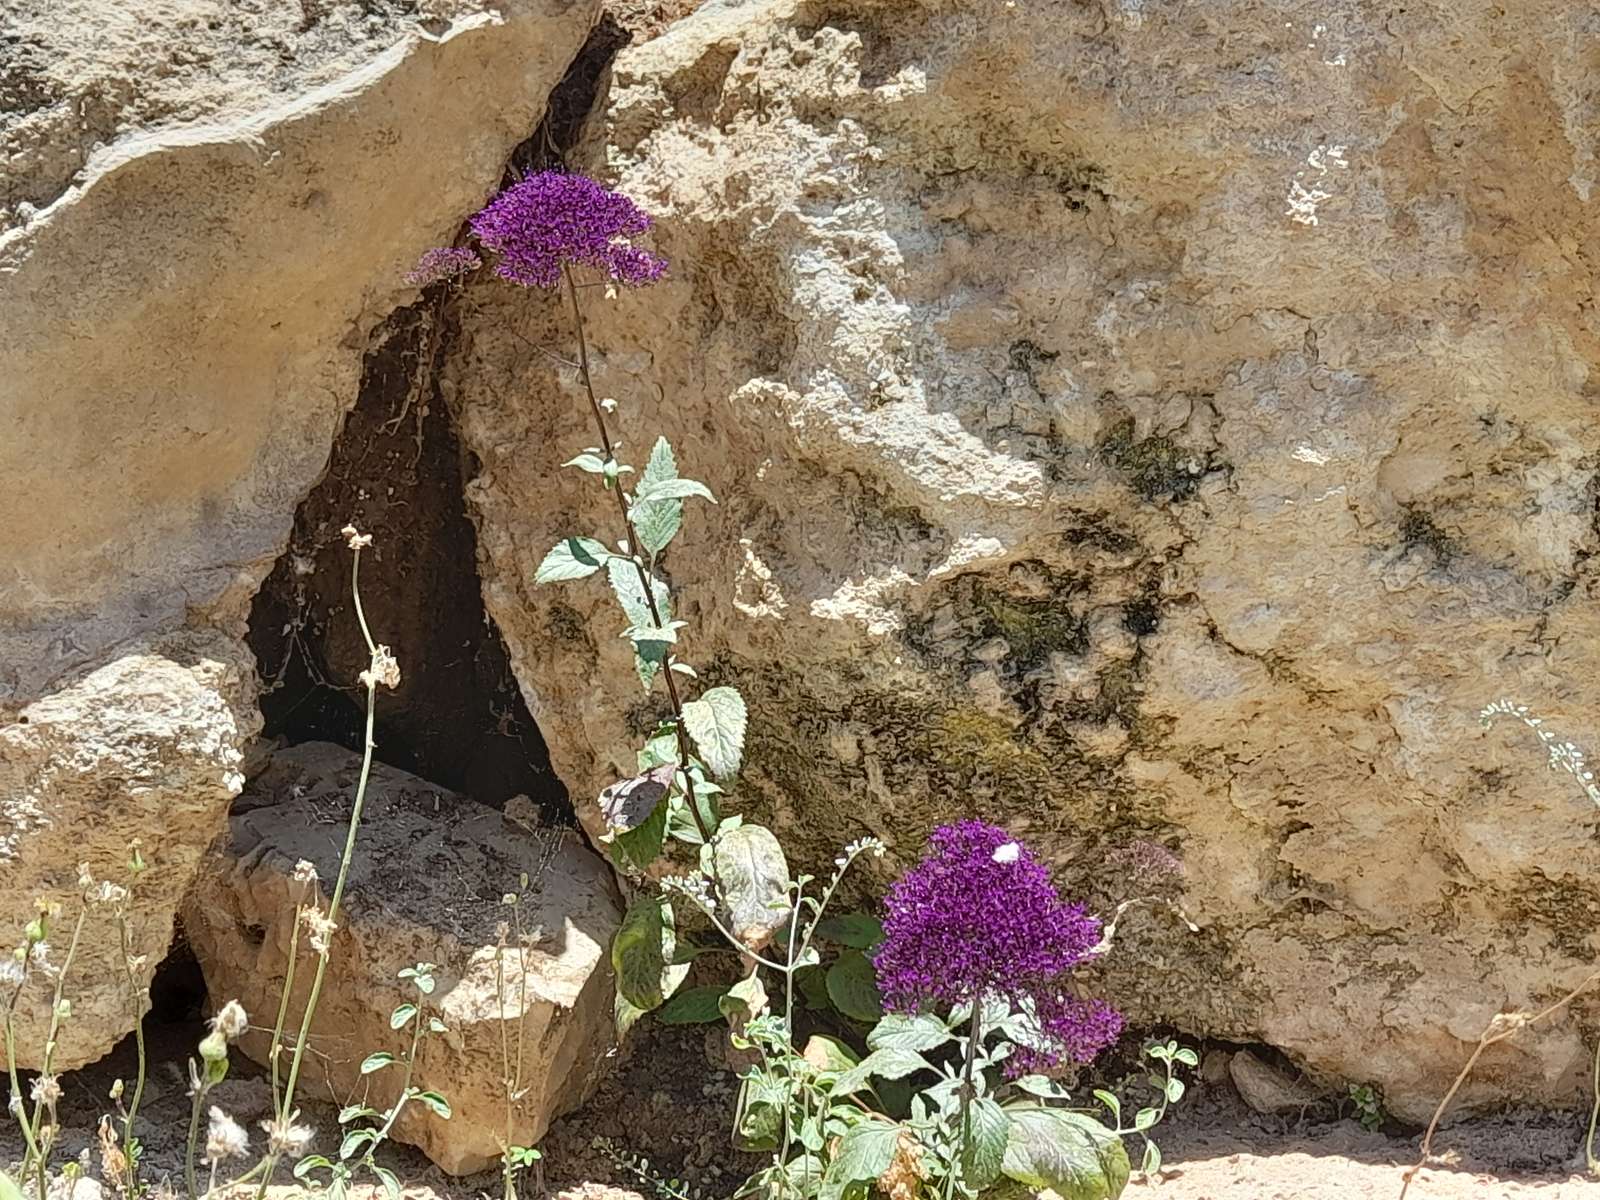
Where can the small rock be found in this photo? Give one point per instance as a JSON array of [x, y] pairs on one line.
[[1269, 1089], [1214, 1068], [426, 885]]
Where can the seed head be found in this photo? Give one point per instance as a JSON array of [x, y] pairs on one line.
[[441, 263], [230, 1021], [224, 1138], [285, 1138], [554, 220], [45, 1089]]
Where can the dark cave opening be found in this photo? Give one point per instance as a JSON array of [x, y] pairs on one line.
[[458, 718]]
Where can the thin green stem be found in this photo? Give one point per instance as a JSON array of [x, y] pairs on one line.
[[132, 1189], [286, 1109], [974, 1037], [645, 583], [194, 1137], [276, 1049]]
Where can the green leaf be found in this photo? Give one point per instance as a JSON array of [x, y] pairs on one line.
[[671, 489], [758, 1117], [631, 802], [436, 1026], [439, 1105], [744, 1001], [624, 1015], [880, 1064], [1152, 1159], [638, 848], [1146, 1118], [650, 651], [1174, 1088], [657, 521], [356, 1139], [591, 463], [571, 558], [864, 1153], [716, 722], [376, 1062], [829, 1054], [853, 987], [641, 950], [1113, 1105], [692, 1006], [8, 1188], [897, 1032], [753, 876], [309, 1164], [351, 1111], [1072, 1154], [983, 1146], [402, 1014], [391, 1184], [857, 930], [813, 984]]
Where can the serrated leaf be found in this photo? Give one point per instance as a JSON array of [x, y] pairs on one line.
[[693, 1006], [857, 930], [650, 649], [1076, 1156], [853, 987], [671, 489], [571, 558], [716, 722], [657, 521], [638, 848], [436, 1102], [391, 1183], [753, 878], [890, 1063], [401, 1015], [631, 802], [864, 1153], [376, 1062], [591, 463], [641, 950], [983, 1145], [923, 1031]]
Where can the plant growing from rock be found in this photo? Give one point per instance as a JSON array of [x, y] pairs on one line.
[[974, 954]]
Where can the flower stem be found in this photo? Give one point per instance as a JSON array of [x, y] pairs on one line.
[[974, 1036], [633, 550]]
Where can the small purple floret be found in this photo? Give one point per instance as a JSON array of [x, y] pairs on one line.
[[554, 220], [979, 916], [441, 263]]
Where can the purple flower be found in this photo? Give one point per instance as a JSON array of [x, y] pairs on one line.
[[442, 262], [978, 916], [553, 220]]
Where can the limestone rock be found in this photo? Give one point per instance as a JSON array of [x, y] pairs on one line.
[[206, 210], [427, 883], [1129, 421], [1267, 1088], [146, 748]]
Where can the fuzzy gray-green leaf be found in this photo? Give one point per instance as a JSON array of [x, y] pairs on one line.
[[753, 876], [1074, 1155], [983, 1147], [657, 521], [571, 558], [716, 722], [864, 1153], [648, 654]]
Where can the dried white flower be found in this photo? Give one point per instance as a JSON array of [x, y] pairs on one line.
[[319, 930], [231, 1021], [46, 1089], [11, 974], [224, 1138], [304, 873], [692, 887], [285, 1138], [356, 540], [385, 669]]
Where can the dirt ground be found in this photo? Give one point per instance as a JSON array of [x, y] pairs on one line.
[[667, 1099]]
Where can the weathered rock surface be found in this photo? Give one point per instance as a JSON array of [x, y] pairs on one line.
[[206, 211], [146, 748], [427, 884], [1129, 421], [1268, 1088], [206, 208]]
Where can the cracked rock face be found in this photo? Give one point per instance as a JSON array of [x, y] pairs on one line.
[[426, 885], [1130, 421]]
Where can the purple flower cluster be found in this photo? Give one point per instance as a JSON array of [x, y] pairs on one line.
[[978, 916], [554, 220], [441, 263]]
